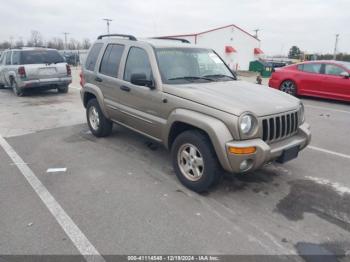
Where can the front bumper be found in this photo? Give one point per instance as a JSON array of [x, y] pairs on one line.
[[49, 82], [266, 152]]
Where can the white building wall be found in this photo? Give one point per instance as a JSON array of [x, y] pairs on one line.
[[229, 36]]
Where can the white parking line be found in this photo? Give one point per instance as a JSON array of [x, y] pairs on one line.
[[328, 151], [337, 187], [72, 230], [327, 108]]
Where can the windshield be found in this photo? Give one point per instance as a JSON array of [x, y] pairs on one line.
[[40, 57], [183, 65]]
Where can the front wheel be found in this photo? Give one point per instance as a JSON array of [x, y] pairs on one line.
[[195, 161], [99, 125], [289, 87]]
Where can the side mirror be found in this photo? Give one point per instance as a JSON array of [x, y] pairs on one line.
[[140, 79], [345, 75]]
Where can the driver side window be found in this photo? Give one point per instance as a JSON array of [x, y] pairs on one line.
[[333, 70], [137, 63]]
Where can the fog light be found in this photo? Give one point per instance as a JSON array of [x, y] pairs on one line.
[[245, 165]]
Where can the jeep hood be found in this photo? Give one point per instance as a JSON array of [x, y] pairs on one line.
[[236, 97]]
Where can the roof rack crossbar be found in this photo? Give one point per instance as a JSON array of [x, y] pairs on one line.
[[173, 38], [131, 37]]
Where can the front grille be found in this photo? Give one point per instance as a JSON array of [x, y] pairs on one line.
[[278, 127]]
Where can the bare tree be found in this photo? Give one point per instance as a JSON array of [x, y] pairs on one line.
[[56, 43], [35, 39], [5, 45], [72, 45], [86, 43], [19, 43]]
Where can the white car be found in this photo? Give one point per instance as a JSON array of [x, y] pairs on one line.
[[33, 67]]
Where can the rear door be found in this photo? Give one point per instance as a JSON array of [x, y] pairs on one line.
[[310, 78], [108, 78], [335, 85], [2, 68]]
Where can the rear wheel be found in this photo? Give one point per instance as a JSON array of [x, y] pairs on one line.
[[99, 125], [289, 87], [62, 89], [194, 161], [16, 89]]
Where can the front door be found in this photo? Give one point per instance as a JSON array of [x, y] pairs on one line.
[[335, 85], [310, 79], [141, 106]]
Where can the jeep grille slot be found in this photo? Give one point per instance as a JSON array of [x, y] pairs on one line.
[[278, 127]]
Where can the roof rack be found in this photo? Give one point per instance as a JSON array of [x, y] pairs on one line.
[[173, 38], [131, 37]]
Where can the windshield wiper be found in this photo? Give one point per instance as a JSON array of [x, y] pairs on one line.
[[220, 76], [191, 78]]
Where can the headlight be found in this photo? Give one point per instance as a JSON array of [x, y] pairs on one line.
[[301, 113], [246, 124]]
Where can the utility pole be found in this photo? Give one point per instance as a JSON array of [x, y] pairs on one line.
[[108, 20], [336, 46], [65, 39], [256, 32]]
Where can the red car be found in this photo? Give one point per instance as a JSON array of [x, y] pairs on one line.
[[326, 79]]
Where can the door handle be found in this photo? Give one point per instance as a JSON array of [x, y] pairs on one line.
[[125, 88], [97, 79]]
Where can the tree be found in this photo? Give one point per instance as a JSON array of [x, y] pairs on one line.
[[35, 39], [56, 43], [5, 45], [72, 45], [294, 52], [86, 43], [19, 43]]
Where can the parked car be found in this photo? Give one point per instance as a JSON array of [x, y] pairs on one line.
[[71, 58], [326, 79], [25, 68], [187, 99]]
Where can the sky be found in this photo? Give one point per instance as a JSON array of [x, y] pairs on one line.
[[309, 24]]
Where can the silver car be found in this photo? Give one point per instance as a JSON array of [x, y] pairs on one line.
[[25, 68]]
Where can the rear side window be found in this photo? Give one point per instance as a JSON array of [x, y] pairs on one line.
[[8, 59], [137, 63], [111, 60], [2, 58], [16, 58], [92, 57], [310, 68], [40, 57], [333, 70]]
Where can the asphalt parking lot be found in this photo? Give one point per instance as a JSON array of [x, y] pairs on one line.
[[119, 195]]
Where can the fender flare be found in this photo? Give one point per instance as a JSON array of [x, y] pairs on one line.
[[98, 94], [217, 131]]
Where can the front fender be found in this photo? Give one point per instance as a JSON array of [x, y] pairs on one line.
[[217, 131]]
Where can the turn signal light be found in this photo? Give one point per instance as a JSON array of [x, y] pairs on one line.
[[242, 150]]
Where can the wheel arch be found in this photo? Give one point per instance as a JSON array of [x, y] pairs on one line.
[[91, 93], [182, 120], [292, 80]]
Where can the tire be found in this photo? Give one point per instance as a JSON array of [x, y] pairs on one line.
[[198, 177], [16, 90], [99, 125], [289, 87], [63, 89]]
